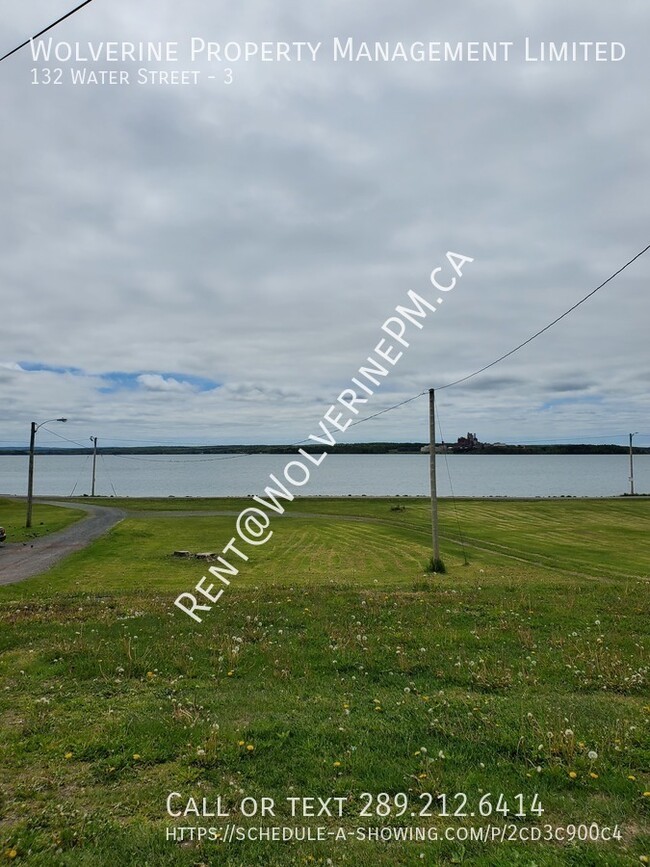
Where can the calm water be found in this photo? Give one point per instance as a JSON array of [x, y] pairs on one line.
[[374, 475]]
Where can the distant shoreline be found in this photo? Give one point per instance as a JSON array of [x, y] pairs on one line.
[[389, 448]]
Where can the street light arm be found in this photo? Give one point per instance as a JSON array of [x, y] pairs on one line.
[[47, 421]]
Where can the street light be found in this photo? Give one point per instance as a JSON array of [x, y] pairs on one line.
[[30, 479], [632, 464]]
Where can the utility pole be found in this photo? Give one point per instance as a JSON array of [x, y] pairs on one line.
[[30, 477], [632, 465], [436, 563], [93, 440]]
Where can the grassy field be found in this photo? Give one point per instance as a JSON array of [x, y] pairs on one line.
[[45, 519], [333, 666]]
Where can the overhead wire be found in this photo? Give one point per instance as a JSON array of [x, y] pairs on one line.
[[45, 30], [422, 393], [81, 471], [546, 327]]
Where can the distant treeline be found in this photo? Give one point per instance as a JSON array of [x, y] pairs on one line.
[[340, 448]]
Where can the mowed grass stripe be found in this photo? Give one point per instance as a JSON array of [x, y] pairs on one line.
[[607, 537], [137, 555], [336, 659]]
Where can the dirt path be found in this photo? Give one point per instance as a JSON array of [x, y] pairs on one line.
[[21, 560]]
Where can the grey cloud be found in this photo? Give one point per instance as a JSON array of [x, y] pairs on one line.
[[576, 385], [259, 236]]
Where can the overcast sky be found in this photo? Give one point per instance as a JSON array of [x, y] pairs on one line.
[[213, 262]]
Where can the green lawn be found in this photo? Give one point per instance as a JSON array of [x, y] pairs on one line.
[[347, 669], [45, 519]]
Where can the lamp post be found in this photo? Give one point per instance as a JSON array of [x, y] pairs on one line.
[[632, 464], [30, 479]]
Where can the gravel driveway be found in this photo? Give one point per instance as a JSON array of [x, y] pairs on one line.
[[21, 560]]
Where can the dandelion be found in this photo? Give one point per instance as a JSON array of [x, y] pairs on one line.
[[646, 794], [68, 755], [593, 776], [240, 743], [250, 747], [136, 756], [573, 775], [632, 777], [150, 674], [337, 764], [11, 853], [230, 673]]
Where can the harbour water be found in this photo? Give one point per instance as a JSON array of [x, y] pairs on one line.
[[338, 475]]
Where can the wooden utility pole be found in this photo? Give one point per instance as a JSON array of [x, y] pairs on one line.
[[94, 442], [632, 465], [30, 476], [432, 476]]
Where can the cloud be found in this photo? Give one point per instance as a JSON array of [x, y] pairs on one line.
[[155, 382], [238, 246], [576, 385]]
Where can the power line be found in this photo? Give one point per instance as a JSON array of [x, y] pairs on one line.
[[148, 459], [507, 354], [151, 460], [67, 439], [512, 351], [289, 445], [49, 27], [162, 441], [422, 393], [546, 327], [566, 440], [388, 409]]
